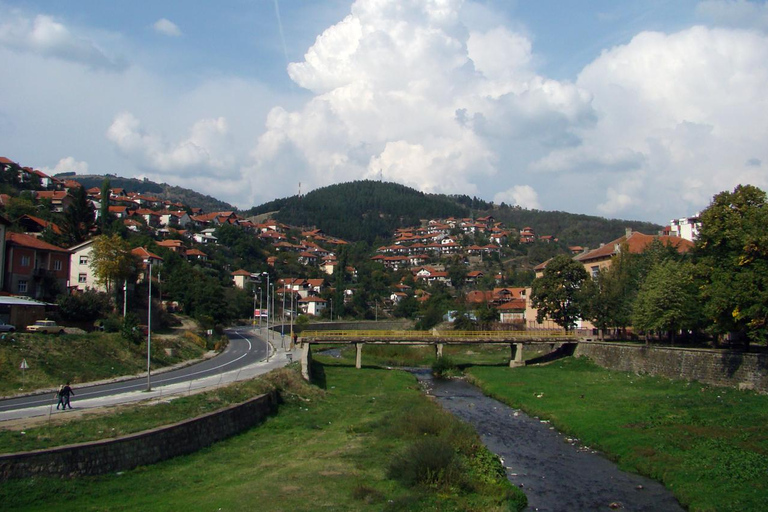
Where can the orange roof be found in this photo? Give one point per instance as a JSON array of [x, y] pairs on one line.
[[636, 242], [144, 254], [31, 242]]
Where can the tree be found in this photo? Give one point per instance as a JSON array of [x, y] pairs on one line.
[[105, 218], [111, 260], [731, 256], [78, 217], [557, 294], [667, 300]]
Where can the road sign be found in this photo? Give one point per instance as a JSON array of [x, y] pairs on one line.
[[24, 365]]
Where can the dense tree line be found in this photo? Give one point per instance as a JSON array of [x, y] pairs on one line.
[[719, 289]]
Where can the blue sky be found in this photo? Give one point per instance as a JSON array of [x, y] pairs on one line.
[[633, 109]]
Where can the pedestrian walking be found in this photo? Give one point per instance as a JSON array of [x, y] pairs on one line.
[[60, 396], [66, 391]]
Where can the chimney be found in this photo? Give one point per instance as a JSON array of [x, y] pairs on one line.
[[628, 232]]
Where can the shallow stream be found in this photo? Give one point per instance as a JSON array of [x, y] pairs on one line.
[[557, 473]]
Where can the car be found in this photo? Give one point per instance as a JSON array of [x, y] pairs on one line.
[[4, 327], [45, 327]]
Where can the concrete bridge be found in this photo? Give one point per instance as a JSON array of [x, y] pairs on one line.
[[516, 340]]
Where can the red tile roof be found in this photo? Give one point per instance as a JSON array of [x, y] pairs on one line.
[[31, 242]]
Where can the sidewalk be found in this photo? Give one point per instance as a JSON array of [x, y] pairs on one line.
[[278, 357]]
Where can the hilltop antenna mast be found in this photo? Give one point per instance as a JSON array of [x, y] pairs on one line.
[[381, 175], [299, 189]]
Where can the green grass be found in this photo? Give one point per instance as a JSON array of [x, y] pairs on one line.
[[76, 358], [708, 445], [343, 448], [413, 356]]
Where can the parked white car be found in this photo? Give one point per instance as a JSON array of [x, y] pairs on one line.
[[4, 327], [46, 327]]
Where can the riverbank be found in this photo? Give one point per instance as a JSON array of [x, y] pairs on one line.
[[708, 445], [368, 440]]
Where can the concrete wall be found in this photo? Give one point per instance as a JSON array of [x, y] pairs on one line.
[[148, 447], [717, 367]]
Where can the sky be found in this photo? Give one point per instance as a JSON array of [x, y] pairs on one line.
[[638, 110]]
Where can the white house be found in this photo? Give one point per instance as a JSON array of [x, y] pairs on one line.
[[81, 275], [312, 305]]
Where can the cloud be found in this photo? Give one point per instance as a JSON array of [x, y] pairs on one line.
[[67, 164], [43, 35], [677, 117], [521, 195], [735, 13], [407, 91], [166, 28], [203, 152]]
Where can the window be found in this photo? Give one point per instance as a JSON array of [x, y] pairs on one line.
[[25, 261], [595, 271], [57, 265], [23, 286], [82, 278], [83, 260]]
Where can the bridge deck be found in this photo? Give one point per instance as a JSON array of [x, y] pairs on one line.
[[432, 337]]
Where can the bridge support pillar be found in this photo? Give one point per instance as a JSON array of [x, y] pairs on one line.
[[516, 358], [359, 355], [438, 350], [306, 361]]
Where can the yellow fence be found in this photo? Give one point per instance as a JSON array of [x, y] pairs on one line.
[[426, 335]]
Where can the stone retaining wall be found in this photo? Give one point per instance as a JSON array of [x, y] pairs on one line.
[[148, 447], [718, 367]]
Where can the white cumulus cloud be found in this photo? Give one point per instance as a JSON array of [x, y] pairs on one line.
[[166, 28], [521, 195], [67, 164], [406, 91], [203, 152]]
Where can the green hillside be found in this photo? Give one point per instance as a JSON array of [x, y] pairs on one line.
[[161, 190], [362, 210], [365, 210]]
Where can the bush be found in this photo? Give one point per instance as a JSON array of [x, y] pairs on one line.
[[131, 330], [85, 306], [444, 367], [429, 461], [112, 323]]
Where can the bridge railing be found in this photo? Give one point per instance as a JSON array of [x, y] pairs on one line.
[[426, 335]]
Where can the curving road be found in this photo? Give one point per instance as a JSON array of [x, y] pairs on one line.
[[245, 348]]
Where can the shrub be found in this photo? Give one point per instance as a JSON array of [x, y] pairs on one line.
[[444, 367], [130, 329], [88, 305], [429, 461]]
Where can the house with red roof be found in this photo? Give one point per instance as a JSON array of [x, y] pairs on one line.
[[34, 268]]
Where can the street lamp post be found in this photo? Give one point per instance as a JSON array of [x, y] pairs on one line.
[[149, 326], [254, 308], [267, 275], [331, 309], [261, 305]]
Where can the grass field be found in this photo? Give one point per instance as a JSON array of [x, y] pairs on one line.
[[54, 360], [369, 441], [708, 445]]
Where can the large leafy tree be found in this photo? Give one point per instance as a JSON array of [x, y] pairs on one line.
[[732, 258], [111, 260], [668, 300], [558, 293]]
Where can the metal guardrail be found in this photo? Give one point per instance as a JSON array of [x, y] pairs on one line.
[[427, 335]]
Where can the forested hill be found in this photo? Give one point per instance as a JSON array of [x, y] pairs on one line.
[[365, 210], [362, 210], [571, 228], [161, 190]]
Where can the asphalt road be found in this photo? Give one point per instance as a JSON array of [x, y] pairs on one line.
[[244, 349]]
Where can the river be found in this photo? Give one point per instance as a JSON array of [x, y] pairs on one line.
[[557, 473]]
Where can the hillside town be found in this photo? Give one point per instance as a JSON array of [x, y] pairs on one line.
[[460, 257]]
